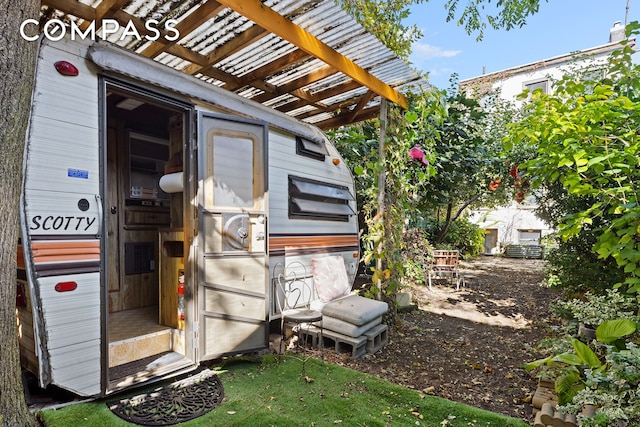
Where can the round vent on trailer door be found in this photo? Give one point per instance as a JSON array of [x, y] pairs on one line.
[[236, 232]]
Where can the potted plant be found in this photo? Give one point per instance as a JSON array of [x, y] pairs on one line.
[[604, 374]]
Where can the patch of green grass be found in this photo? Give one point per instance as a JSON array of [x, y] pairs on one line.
[[274, 393]]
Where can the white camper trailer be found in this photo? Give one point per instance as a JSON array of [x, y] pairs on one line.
[[155, 207]]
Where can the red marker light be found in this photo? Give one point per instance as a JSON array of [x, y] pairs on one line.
[[66, 286], [66, 68]]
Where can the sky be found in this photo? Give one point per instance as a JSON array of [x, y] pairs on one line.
[[560, 27]]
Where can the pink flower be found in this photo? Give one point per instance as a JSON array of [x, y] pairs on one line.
[[416, 153]]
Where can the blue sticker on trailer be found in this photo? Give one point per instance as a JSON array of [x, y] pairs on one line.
[[77, 173]]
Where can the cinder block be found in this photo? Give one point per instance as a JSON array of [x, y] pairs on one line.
[[344, 344], [310, 335], [377, 337]]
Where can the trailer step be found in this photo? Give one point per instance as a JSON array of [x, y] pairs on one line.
[[131, 349]]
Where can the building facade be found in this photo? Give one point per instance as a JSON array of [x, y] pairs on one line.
[[515, 230]]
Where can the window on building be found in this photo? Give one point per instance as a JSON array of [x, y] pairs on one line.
[[537, 84]]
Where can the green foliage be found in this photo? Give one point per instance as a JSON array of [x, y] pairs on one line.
[[508, 14], [601, 371], [384, 20], [468, 161], [610, 332], [586, 138], [463, 235], [405, 181], [571, 378], [613, 391], [595, 309], [416, 254], [466, 237], [573, 267]]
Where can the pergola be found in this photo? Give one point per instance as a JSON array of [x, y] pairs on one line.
[[307, 58]]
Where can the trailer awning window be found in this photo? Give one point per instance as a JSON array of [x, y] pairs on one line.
[[312, 149], [310, 199]]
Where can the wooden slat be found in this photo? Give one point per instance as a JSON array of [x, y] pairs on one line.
[[108, 8], [187, 54], [343, 119], [318, 96], [364, 100]]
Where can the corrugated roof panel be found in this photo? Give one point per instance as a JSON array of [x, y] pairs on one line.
[[343, 96], [318, 118], [218, 33], [265, 51], [280, 100], [302, 110]]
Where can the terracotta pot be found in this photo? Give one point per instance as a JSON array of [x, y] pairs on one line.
[[587, 332]]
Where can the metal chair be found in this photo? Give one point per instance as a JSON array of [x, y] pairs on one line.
[[294, 295], [445, 262]]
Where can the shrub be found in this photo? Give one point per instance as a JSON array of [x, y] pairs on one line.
[[468, 238], [595, 309], [417, 252]]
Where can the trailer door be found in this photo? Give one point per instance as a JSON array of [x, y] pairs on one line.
[[232, 217]]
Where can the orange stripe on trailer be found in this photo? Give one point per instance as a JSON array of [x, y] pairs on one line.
[[57, 244], [65, 251], [61, 251], [276, 243]]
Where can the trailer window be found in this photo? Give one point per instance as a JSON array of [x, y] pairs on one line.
[[312, 149], [233, 171], [309, 199]]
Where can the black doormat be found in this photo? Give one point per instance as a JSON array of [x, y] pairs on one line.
[[178, 402]]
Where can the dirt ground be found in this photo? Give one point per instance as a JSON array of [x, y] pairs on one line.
[[469, 345]]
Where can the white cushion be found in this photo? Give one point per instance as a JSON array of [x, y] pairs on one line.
[[355, 309], [330, 277], [346, 328]]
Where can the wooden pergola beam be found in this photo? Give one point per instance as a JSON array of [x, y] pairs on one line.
[[272, 21], [343, 119], [108, 8]]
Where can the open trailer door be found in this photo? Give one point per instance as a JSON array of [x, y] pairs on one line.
[[232, 214]]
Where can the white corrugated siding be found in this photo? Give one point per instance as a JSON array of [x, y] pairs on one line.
[[283, 161], [73, 332], [63, 136]]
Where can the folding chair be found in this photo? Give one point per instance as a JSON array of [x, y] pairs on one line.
[[445, 262], [294, 296]]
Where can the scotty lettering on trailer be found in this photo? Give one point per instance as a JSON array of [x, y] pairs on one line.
[[61, 223]]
